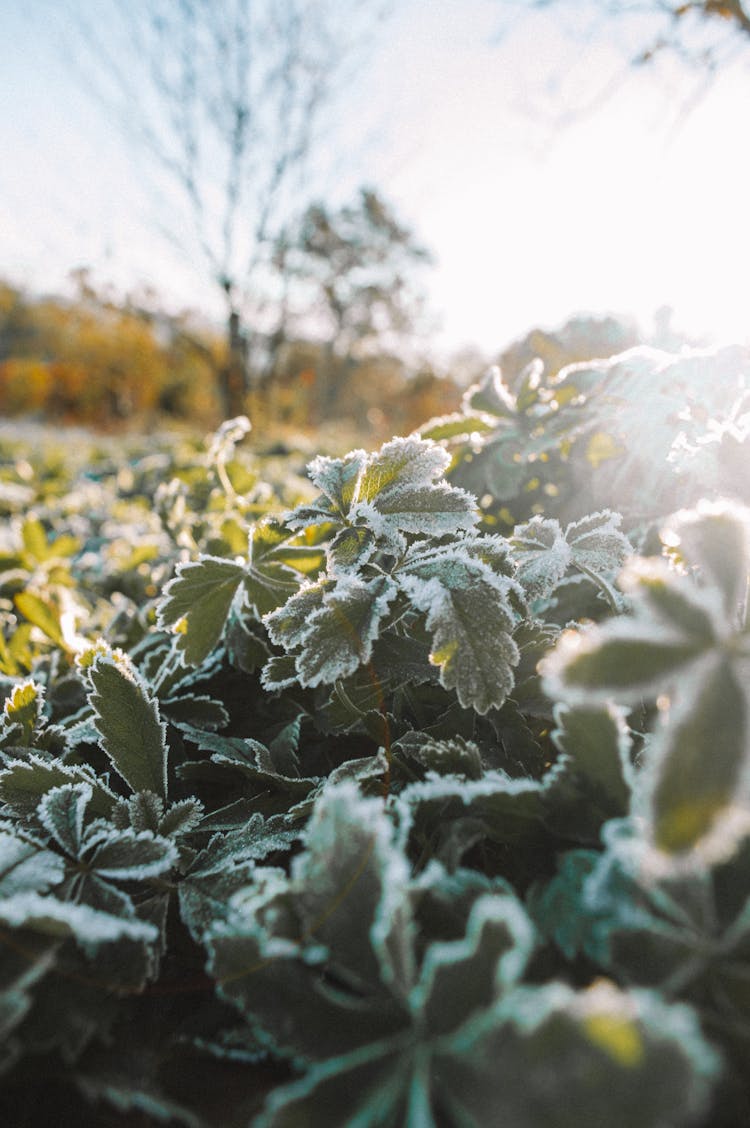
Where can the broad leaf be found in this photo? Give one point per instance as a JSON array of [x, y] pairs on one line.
[[196, 603], [700, 756], [127, 720], [275, 567], [542, 554], [338, 636], [600, 1056], [591, 779], [24, 782], [469, 616]]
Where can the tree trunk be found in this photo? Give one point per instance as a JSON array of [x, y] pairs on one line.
[[233, 376]]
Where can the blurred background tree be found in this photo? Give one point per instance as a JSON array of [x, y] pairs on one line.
[[354, 270], [225, 101]]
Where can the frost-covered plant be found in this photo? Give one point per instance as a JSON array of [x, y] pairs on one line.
[[408, 795]]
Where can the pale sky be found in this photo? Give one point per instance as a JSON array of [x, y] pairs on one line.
[[536, 204]]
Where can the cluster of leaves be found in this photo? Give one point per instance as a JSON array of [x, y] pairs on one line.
[[348, 808]]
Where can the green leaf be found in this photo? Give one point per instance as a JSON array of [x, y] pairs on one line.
[[62, 811], [699, 759], [491, 396], [42, 614], [127, 856], [596, 543], [542, 554], [337, 633], [461, 977], [594, 1057], [34, 539], [24, 708], [590, 782], [470, 619], [196, 603], [24, 782], [127, 720], [276, 567]]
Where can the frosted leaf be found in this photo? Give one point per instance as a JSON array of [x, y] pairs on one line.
[[265, 767], [126, 716], [350, 549], [470, 619], [351, 889], [333, 624], [675, 626], [542, 555], [491, 395], [492, 550], [343, 630], [593, 1057], [181, 817], [198, 710], [463, 976], [400, 483], [400, 464], [715, 537], [502, 809], [279, 673], [590, 781], [23, 713], [125, 855], [393, 491], [88, 926], [456, 426], [275, 568], [699, 759], [195, 604], [24, 782], [596, 543], [145, 809], [61, 812], [25, 867], [290, 624], [226, 865], [338, 478], [626, 662], [226, 437]]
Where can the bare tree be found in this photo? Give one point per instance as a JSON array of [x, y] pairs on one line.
[[225, 98], [704, 32]]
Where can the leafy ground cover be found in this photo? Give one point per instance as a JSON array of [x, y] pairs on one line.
[[408, 789]]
